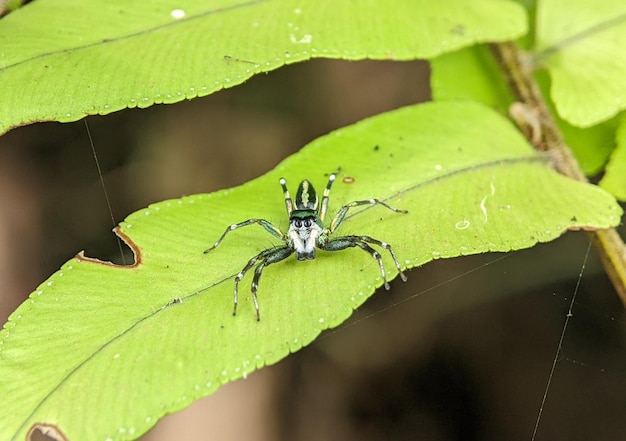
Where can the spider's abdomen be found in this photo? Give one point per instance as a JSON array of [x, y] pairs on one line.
[[304, 231], [306, 197]]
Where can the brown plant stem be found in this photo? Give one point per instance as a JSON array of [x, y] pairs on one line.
[[539, 126]]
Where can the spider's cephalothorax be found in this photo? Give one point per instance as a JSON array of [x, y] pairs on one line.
[[306, 228], [307, 232]]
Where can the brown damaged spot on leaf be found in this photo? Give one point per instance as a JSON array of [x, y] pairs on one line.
[[128, 241], [44, 431], [583, 228]]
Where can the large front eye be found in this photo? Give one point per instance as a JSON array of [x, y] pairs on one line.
[[297, 223], [307, 223]]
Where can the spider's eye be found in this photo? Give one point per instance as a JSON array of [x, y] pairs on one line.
[[307, 223], [297, 223]]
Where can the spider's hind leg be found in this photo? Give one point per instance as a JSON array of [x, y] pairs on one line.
[[343, 242], [267, 257], [386, 246]]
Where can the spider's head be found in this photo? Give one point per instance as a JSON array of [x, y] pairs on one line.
[[305, 229]]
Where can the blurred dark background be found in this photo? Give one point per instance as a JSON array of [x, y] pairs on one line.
[[462, 351]]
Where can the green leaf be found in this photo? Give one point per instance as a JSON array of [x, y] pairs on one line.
[[12, 5], [483, 82], [614, 180], [103, 352], [582, 45], [482, 79], [592, 145], [64, 59]]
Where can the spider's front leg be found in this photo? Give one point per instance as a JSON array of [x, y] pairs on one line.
[[274, 231], [338, 219], [343, 242], [267, 257]]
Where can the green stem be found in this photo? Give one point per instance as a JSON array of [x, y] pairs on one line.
[[539, 126]]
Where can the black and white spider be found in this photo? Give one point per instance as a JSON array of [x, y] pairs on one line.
[[306, 232]]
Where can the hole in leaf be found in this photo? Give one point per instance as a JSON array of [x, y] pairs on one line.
[[45, 432]]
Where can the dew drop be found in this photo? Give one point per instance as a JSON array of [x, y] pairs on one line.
[[177, 13]]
